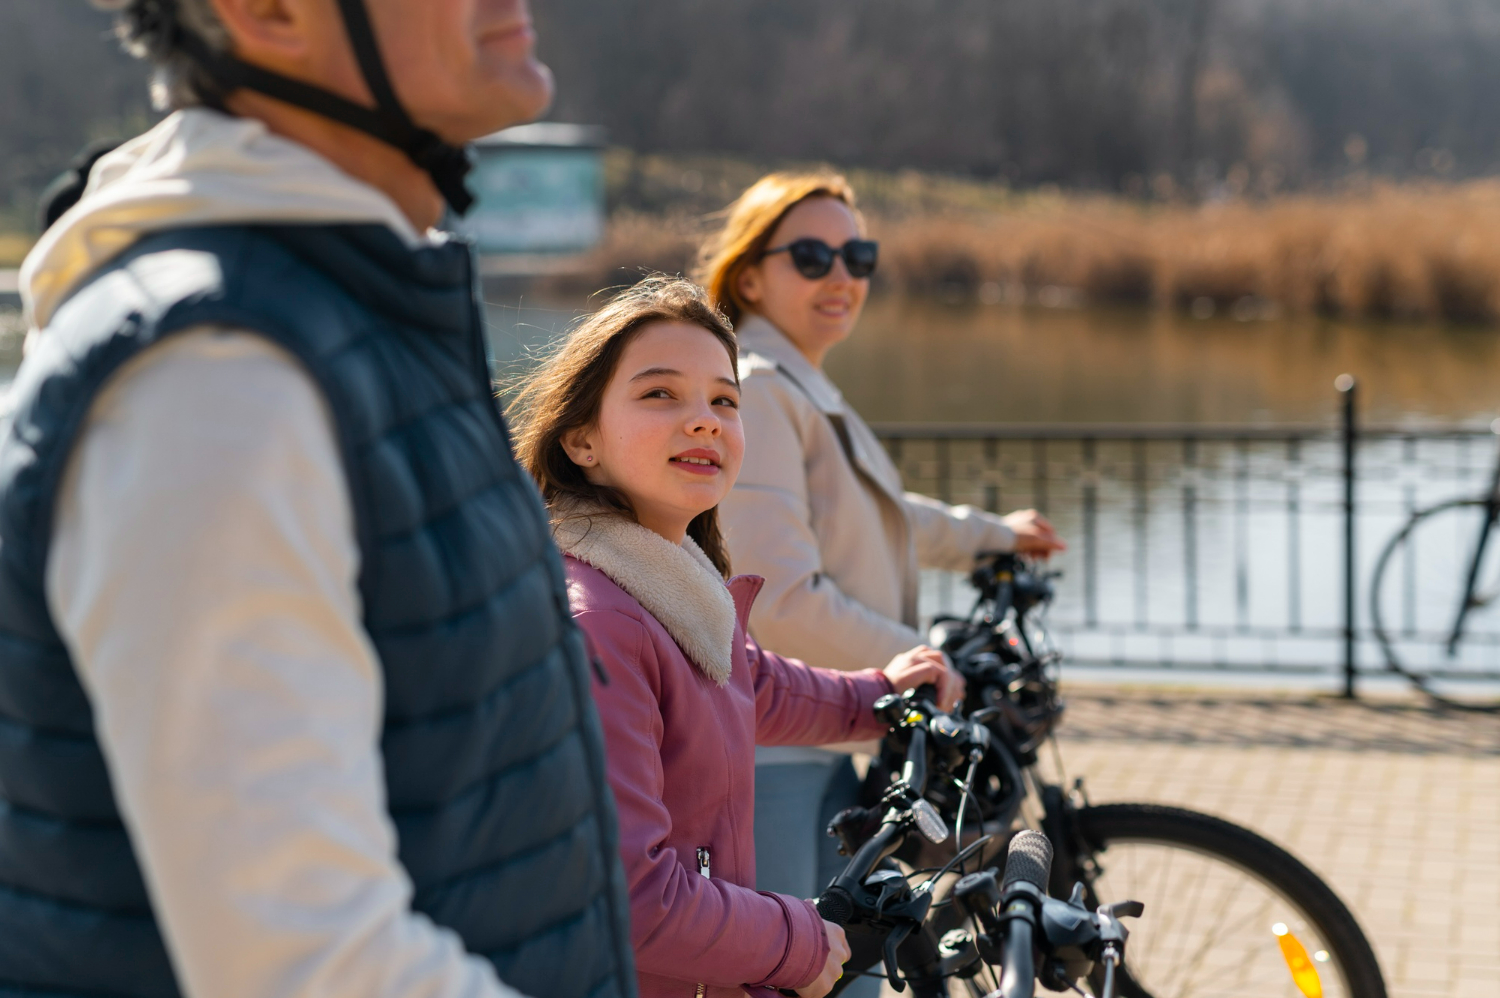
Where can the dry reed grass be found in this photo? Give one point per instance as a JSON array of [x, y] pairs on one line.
[[1383, 251], [1420, 252], [13, 248]]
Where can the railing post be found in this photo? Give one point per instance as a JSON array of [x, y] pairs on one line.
[[1348, 387], [1090, 536]]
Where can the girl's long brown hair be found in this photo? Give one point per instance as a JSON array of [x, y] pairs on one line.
[[749, 225], [567, 392]]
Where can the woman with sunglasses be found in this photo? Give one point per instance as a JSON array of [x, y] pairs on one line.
[[819, 510]]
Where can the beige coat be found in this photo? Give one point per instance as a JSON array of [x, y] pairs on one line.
[[831, 530]]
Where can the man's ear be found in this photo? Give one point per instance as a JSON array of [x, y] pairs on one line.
[[277, 33], [578, 444], [749, 284]]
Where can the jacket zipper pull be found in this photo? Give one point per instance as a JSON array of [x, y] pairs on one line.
[[703, 871], [593, 657]]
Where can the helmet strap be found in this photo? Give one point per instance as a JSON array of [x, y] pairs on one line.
[[388, 121]]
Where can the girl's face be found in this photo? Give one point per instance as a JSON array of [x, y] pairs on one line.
[[814, 314], [668, 434]]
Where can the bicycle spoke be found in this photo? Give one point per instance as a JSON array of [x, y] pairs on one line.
[[1193, 907], [1250, 956], [1211, 945], [1208, 932], [1130, 858]]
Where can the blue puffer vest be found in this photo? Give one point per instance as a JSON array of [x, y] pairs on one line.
[[493, 753]]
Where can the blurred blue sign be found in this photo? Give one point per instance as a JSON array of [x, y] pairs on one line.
[[538, 189]]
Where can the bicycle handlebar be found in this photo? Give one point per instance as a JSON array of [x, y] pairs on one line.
[[914, 772], [836, 903], [1018, 971], [1028, 864], [886, 915]]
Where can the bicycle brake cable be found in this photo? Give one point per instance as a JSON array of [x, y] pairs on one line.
[[963, 801], [963, 854]]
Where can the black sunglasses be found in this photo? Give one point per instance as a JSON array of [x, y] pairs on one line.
[[813, 258]]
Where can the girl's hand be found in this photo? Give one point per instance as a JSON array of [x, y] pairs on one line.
[[1034, 534], [833, 969], [922, 664]]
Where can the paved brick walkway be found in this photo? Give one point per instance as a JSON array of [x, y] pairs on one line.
[[1395, 804]]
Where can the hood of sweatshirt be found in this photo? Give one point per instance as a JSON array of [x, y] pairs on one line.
[[197, 167]]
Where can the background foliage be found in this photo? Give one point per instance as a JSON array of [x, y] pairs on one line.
[[1152, 98]]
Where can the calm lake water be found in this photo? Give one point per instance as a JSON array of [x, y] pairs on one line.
[[921, 361]]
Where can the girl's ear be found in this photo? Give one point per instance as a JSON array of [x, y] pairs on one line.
[[749, 284], [578, 444]]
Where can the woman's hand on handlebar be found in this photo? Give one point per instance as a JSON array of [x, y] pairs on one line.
[[922, 664], [1034, 534], [833, 967]]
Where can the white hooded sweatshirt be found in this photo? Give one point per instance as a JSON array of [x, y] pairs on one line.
[[203, 575]]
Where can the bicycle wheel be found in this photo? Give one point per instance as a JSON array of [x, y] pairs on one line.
[[1414, 601], [1228, 913]]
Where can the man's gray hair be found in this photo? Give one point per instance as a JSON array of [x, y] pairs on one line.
[[151, 30]]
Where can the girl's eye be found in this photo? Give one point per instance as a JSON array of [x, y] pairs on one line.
[[726, 400], [657, 393]]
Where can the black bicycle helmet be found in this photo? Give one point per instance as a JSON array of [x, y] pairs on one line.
[[388, 121]]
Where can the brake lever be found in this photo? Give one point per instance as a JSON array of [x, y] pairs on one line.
[[984, 715], [888, 953], [1113, 935]]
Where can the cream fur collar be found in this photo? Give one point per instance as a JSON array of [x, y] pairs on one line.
[[678, 586]]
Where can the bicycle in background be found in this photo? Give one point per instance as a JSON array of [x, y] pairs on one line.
[[1444, 523]]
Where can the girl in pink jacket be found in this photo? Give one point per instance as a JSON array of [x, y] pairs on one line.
[[632, 431]]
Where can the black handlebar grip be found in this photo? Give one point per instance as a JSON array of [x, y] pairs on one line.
[[1029, 860], [835, 905]]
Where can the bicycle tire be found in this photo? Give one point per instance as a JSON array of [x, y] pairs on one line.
[[1393, 661], [1114, 824]]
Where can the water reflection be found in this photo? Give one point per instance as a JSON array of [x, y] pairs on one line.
[[925, 362]]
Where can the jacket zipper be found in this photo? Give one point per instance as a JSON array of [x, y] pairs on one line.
[[704, 870]]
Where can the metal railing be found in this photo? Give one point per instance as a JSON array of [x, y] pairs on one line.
[[1219, 547]]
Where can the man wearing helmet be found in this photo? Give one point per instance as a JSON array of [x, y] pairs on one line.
[[290, 703]]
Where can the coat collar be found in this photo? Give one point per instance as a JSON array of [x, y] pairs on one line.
[[762, 344], [678, 586], [758, 336]]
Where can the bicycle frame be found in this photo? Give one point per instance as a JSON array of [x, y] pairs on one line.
[[1468, 601]]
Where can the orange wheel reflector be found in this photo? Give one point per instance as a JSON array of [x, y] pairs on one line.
[[1304, 974]]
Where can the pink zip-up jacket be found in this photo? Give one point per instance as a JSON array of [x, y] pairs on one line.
[[681, 757]]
